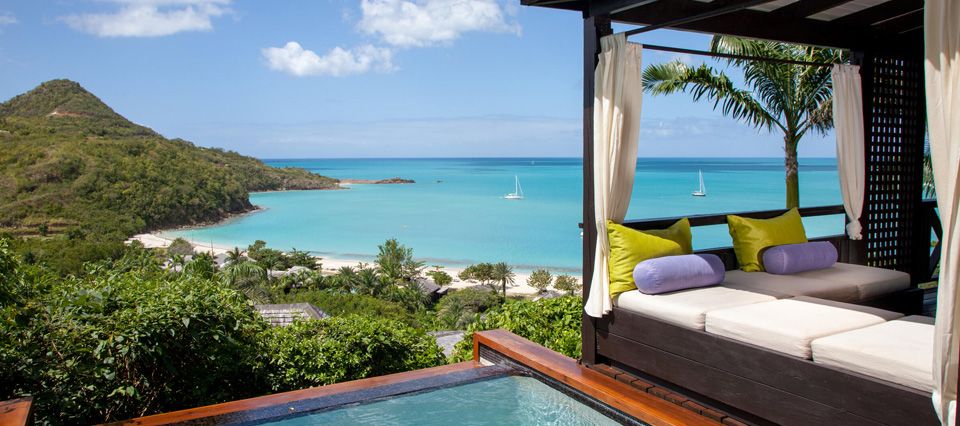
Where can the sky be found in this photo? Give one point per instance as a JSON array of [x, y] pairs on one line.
[[369, 78]]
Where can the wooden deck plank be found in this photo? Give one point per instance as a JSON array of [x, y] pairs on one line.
[[622, 396], [16, 412]]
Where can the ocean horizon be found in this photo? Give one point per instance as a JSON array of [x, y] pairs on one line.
[[455, 214]]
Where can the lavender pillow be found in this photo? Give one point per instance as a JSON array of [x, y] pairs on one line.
[[672, 273], [793, 258]]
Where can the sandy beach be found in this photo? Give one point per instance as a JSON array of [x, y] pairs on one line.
[[330, 265]]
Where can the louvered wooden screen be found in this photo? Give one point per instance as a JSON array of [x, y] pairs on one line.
[[894, 109]]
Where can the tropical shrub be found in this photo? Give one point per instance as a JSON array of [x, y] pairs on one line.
[[180, 246], [553, 323], [332, 350], [340, 304], [441, 278], [566, 283], [540, 279], [395, 263], [114, 345], [459, 308]]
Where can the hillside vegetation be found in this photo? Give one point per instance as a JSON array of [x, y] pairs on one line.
[[70, 164]]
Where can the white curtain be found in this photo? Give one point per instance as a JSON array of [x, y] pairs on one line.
[[618, 95], [848, 125], [942, 69]]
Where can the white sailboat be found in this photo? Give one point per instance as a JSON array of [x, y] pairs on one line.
[[702, 192], [517, 193]]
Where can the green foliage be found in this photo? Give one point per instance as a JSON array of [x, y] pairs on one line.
[[201, 266], [459, 308], [553, 323], [66, 256], [268, 258], [116, 344], [86, 167], [340, 304], [568, 284], [180, 247], [441, 278], [249, 278], [395, 263], [321, 352], [302, 258], [540, 279], [482, 272], [503, 273]]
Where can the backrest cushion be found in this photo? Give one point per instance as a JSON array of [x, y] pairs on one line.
[[629, 247], [750, 236]]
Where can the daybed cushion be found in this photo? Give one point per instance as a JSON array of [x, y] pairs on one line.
[[897, 351], [843, 282], [789, 325], [673, 273], [870, 281], [786, 286], [687, 308]]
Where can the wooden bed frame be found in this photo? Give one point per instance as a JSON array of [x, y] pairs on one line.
[[768, 385]]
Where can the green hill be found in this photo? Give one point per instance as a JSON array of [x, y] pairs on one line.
[[69, 162]]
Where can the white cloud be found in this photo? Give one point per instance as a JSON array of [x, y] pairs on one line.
[[420, 23], [7, 18], [150, 18], [294, 59]]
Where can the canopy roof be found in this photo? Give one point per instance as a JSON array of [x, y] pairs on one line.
[[878, 25]]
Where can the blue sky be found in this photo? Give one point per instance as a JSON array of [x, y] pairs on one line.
[[370, 78]]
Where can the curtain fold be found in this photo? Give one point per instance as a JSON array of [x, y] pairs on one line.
[[942, 71], [848, 125], [618, 95]]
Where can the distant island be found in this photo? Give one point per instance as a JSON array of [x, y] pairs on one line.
[[70, 163], [388, 181]]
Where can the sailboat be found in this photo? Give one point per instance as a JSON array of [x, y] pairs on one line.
[[702, 192], [517, 193]]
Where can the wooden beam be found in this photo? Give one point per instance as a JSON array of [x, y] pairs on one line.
[[880, 12], [713, 13], [594, 28], [805, 8], [608, 7]]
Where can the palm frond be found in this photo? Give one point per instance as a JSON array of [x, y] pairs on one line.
[[704, 81]]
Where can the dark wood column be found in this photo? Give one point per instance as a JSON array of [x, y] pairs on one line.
[[594, 27]]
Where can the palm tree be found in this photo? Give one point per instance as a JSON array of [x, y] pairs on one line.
[[248, 278], [503, 273], [792, 99], [235, 255]]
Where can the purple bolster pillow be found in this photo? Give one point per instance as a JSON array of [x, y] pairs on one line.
[[672, 273], [793, 258]]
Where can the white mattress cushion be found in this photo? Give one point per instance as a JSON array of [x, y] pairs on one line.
[[897, 351], [869, 281], [789, 325], [687, 308], [791, 285]]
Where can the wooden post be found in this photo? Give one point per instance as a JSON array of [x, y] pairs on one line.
[[594, 27]]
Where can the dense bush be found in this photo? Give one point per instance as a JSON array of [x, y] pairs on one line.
[[338, 304], [553, 323], [459, 308], [331, 350], [115, 344]]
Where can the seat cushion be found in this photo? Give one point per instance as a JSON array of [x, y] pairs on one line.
[[869, 281], [897, 351], [791, 285], [687, 308], [789, 325]]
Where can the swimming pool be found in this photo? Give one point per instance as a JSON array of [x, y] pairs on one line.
[[510, 400]]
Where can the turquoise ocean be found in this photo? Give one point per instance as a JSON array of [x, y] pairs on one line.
[[455, 213]]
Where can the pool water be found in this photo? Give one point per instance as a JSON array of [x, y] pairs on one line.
[[510, 400]]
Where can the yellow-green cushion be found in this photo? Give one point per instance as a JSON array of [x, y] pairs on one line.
[[628, 247], [751, 236], [678, 232]]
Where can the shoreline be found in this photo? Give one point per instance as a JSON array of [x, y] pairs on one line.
[[330, 265]]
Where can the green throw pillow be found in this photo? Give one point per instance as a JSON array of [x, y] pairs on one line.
[[678, 232], [751, 236], [628, 247]]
